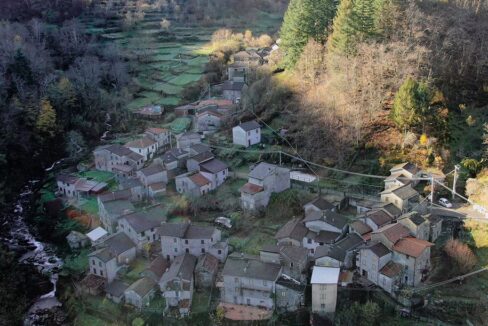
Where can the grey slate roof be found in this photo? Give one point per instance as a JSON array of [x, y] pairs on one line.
[[104, 254], [417, 219], [379, 249], [182, 267], [291, 284], [262, 170], [229, 85], [361, 227], [339, 250], [116, 288], [140, 222], [119, 150], [326, 236], [293, 229], [158, 267], [186, 231], [200, 148], [130, 183], [203, 157], [251, 267], [329, 217], [115, 195], [403, 192], [294, 254], [321, 203], [67, 178], [142, 286], [118, 207], [118, 243], [152, 169], [379, 217], [410, 167], [250, 125], [390, 208], [213, 166]]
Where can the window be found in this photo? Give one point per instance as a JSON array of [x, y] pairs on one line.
[[219, 252], [203, 250], [202, 241], [283, 294], [186, 241], [101, 272], [322, 305], [187, 250], [309, 240], [265, 283], [93, 262], [176, 250], [321, 243], [100, 263], [94, 271]]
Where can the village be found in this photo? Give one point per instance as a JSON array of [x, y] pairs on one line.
[[145, 248]]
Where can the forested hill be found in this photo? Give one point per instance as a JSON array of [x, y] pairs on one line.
[[56, 87], [401, 80]]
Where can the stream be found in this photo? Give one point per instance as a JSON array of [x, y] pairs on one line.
[[19, 238]]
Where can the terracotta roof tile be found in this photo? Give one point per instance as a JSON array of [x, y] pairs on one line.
[[251, 188], [199, 179], [391, 269], [411, 246]]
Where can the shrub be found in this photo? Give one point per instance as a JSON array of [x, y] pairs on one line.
[[461, 255]]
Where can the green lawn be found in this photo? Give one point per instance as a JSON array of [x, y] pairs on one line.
[[180, 125], [100, 176], [90, 205], [136, 268], [200, 302]]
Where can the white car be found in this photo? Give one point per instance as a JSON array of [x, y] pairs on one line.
[[444, 202], [224, 222]]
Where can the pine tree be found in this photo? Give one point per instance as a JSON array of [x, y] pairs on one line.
[[305, 19], [363, 16], [46, 120], [343, 32], [411, 104]]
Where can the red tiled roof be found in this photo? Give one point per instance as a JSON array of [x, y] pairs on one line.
[[391, 269], [199, 179], [251, 188], [157, 130], [141, 143], [394, 232], [412, 246]]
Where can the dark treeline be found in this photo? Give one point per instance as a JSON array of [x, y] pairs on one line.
[[56, 88]]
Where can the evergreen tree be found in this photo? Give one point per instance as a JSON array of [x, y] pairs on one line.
[[343, 32], [21, 67], [305, 19], [46, 120], [363, 16], [411, 104]]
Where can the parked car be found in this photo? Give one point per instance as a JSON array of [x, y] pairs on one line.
[[444, 202], [223, 222]]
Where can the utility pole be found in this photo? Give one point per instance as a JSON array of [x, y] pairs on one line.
[[456, 175], [431, 189]]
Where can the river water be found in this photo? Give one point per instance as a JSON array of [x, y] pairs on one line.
[[21, 239]]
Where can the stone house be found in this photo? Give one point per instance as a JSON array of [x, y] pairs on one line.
[[324, 289], [435, 226], [117, 158], [247, 134], [389, 277], [144, 146], [174, 158], [264, 179], [313, 240], [193, 163], [326, 221], [389, 234], [196, 149], [180, 238], [377, 218], [294, 260], [154, 173], [193, 184], [140, 293], [185, 140], [402, 174], [66, 184], [247, 57], [142, 227], [206, 271], [208, 119], [116, 251], [249, 281], [77, 240], [414, 255], [292, 233], [390, 209], [236, 72], [371, 259], [341, 254], [232, 90], [156, 190], [177, 284], [115, 290], [135, 187], [161, 136], [290, 294], [319, 204], [157, 268], [216, 171], [112, 206], [403, 197], [419, 226], [362, 229]]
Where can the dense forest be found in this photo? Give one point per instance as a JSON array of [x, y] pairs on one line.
[[403, 80]]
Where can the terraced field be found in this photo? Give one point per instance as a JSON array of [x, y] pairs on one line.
[[162, 63]]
